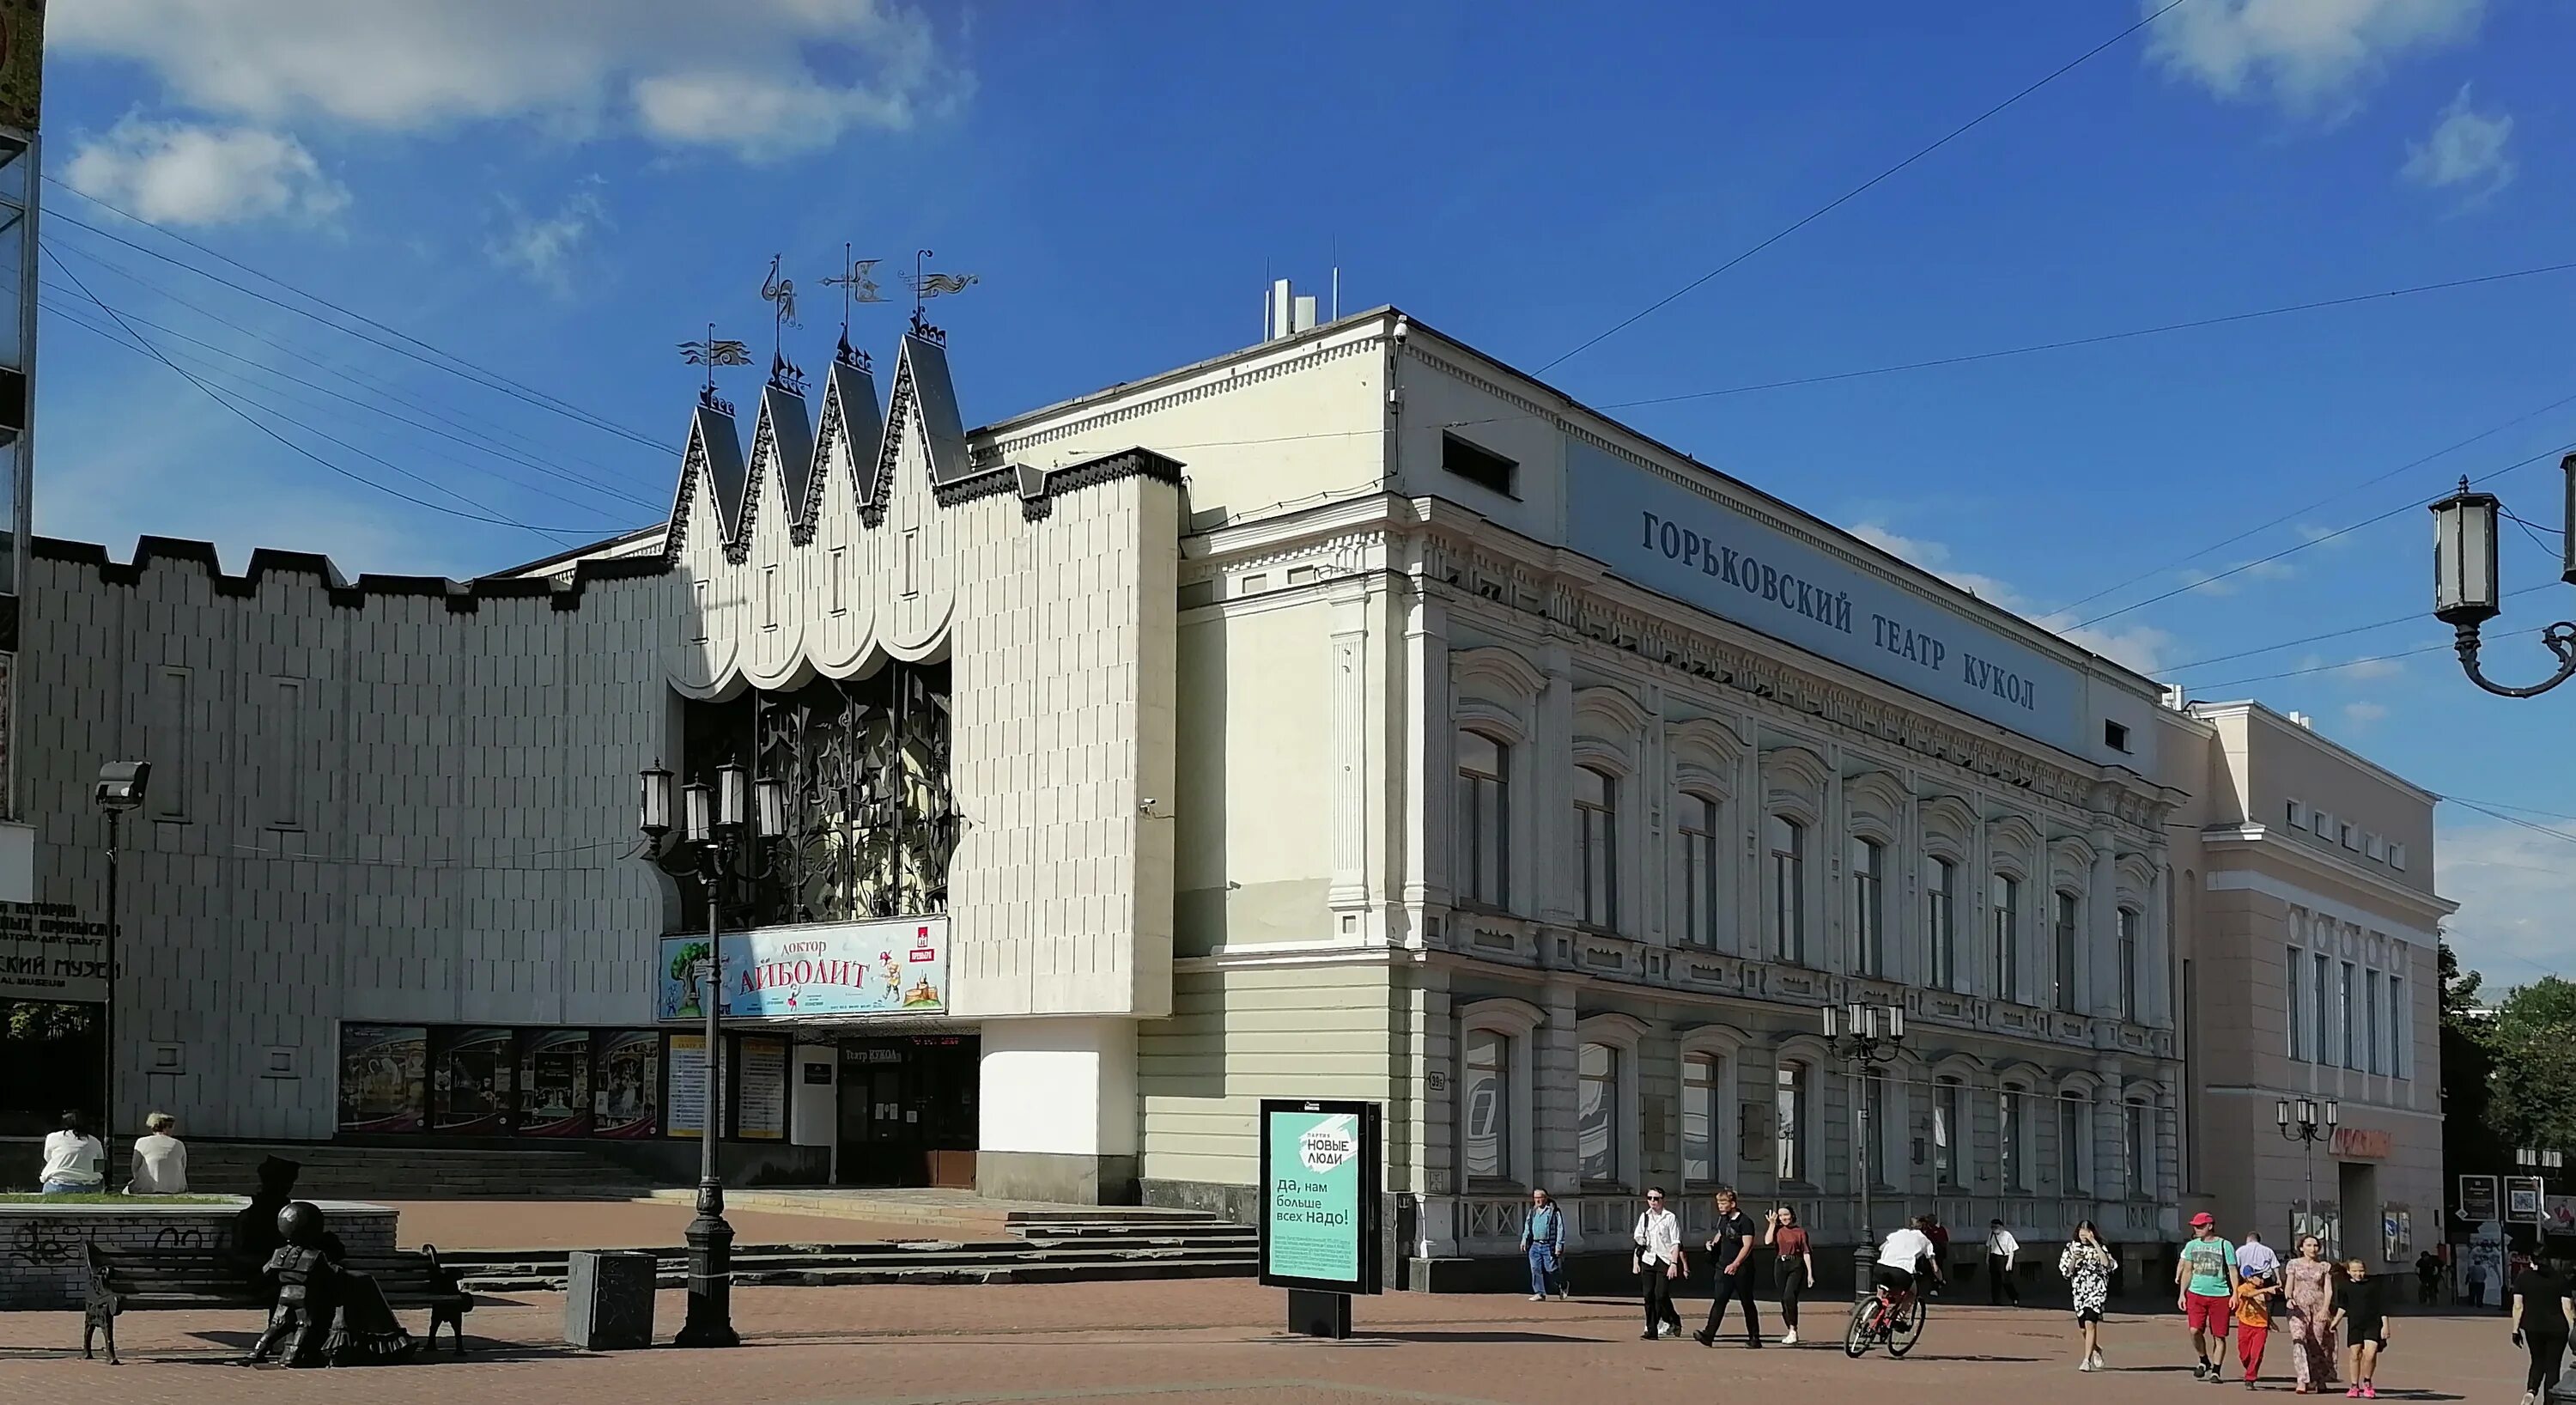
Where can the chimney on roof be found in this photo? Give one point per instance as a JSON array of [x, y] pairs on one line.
[[2301, 720]]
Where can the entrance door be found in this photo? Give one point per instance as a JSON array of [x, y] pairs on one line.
[[907, 1110]]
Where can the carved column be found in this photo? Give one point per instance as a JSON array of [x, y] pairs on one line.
[[1347, 661], [1429, 735]]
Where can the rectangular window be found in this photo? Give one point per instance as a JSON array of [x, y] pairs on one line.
[[1941, 921], [1700, 1112], [1947, 1170], [285, 762], [2373, 1040], [1480, 466], [2008, 1147], [1873, 1116], [2070, 1145], [2344, 834], [1596, 1110], [2063, 994], [2115, 736], [2291, 1001], [1790, 1107], [1788, 890], [2348, 1018], [1699, 870], [172, 728], [2298, 815], [1483, 821], [2377, 848], [698, 616], [2323, 1011], [2397, 857], [2401, 1030], [2128, 958], [840, 582], [2006, 900], [2140, 1152], [1596, 825], [769, 597], [912, 562], [1488, 1104], [1869, 907]]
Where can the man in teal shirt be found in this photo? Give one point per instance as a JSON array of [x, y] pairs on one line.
[[2205, 1284]]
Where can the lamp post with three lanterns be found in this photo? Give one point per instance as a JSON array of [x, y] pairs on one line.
[[2299, 1123], [1863, 1036]]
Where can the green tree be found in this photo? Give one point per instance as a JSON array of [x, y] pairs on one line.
[[2470, 1144], [2531, 1090]]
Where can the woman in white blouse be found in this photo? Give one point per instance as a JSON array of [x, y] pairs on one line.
[[160, 1159]]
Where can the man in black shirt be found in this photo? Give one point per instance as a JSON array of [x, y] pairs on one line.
[[2542, 1318], [1731, 1253]]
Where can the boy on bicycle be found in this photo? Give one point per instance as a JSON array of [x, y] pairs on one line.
[[1904, 1258]]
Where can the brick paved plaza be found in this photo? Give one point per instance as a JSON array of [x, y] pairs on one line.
[[1211, 1340]]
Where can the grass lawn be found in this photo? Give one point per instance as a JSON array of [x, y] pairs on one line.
[[129, 1201]]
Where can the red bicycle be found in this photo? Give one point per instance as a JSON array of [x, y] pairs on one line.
[[1882, 1317]]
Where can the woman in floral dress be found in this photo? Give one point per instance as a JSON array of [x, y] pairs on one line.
[[2307, 1299], [2087, 1266]]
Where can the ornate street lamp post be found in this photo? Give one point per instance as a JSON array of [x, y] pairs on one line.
[[2465, 591], [2299, 1124], [716, 846], [1863, 1036]]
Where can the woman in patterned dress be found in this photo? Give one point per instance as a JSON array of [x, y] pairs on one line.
[[2087, 1266], [2307, 1289]]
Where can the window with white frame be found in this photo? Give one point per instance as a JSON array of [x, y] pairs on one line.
[[1941, 921], [1484, 821], [2377, 848], [1488, 1105], [2072, 1131], [1869, 906], [2401, 1030], [1703, 1107], [2373, 1042], [1949, 1134], [2062, 993], [1596, 1128], [1596, 824], [2004, 898], [2291, 981], [2010, 1147], [2344, 835], [1874, 1115], [1788, 842], [2349, 1018], [2298, 815], [1790, 1108], [2321, 988], [2138, 1150], [2128, 972], [1700, 868], [2397, 857]]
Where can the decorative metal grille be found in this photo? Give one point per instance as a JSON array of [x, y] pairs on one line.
[[864, 765]]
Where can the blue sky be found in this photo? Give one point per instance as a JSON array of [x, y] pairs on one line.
[[560, 192]]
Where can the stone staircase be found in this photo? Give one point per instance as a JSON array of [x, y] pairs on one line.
[[1077, 1244], [334, 1172]]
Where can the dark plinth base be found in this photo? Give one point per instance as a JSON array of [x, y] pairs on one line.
[[608, 1302], [1312, 1314]]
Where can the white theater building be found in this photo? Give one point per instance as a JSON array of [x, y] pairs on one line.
[[1348, 716]]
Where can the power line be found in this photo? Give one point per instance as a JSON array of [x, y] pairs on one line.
[[2412, 618], [2498, 804], [2347, 663], [1863, 188], [2508, 819], [487, 515], [459, 367]]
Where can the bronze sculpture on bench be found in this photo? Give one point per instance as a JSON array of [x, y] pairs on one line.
[[326, 1314]]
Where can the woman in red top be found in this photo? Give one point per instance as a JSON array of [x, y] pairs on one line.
[[1797, 1266]]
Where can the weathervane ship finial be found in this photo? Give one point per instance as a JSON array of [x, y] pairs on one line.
[[713, 352]]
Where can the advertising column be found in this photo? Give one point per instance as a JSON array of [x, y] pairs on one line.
[[1321, 1174]]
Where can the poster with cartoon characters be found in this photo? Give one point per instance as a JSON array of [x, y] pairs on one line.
[[890, 967]]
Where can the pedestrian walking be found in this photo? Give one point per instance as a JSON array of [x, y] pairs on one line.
[[2543, 1319], [1543, 1243], [2255, 1293], [2001, 1250], [75, 1164], [1939, 1234], [2428, 1278], [1796, 1266], [1731, 1255], [2254, 1256], [2364, 1315], [2307, 1311], [2086, 1265], [160, 1159], [2205, 1290], [1658, 1264]]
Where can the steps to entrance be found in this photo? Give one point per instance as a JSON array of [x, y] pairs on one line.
[[339, 1172], [1069, 1246]]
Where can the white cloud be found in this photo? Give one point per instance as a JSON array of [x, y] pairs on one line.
[[545, 247], [2310, 55], [175, 173], [762, 78], [2360, 715], [2466, 149], [2515, 888], [2143, 647]]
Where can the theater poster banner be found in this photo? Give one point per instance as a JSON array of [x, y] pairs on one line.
[[1319, 1195], [554, 1084], [895, 966], [383, 1076], [629, 1100], [470, 1086]]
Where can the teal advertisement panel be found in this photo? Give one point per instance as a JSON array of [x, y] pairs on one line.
[[1321, 1174]]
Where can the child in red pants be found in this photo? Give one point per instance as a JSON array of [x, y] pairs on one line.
[[2254, 1322]]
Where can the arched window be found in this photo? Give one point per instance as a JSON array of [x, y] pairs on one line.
[[2005, 899], [2062, 992], [1949, 1134], [1596, 831], [1941, 922], [1703, 1113], [2129, 963], [2011, 1147], [2073, 1130], [1869, 907], [1698, 825], [1790, 1095], [1484, 821], [2140, 1150], [1596, 1132], [1788, 888], [1487, 1106]]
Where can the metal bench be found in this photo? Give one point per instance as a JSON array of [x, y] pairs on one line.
[[123, 1280]]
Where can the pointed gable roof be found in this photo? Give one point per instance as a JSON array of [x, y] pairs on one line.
[[791, 444], [923, 393], [711, 464], [851, 418]]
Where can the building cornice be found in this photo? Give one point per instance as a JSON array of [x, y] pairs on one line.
[[564, 592], [2258, 842]]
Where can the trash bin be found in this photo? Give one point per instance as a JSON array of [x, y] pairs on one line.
[[608, 1300]]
